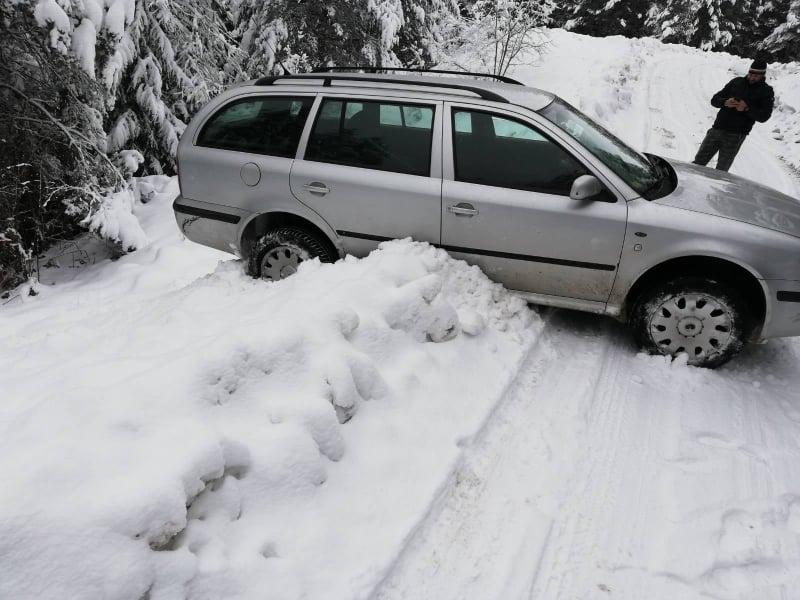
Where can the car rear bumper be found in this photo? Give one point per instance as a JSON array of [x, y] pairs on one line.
[[210, 224], [783, 312]]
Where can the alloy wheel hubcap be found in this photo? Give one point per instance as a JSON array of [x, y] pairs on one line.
[[694, 323], [280, 262]]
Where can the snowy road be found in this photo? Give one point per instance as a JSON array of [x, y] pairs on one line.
[[605, 470], [605, 473]]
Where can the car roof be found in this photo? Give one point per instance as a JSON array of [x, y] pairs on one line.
[[529, 97]]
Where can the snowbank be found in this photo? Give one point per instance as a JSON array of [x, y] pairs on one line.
[[786, 125], [233, 437]]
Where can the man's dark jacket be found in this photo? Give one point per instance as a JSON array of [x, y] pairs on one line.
[[759, 98]]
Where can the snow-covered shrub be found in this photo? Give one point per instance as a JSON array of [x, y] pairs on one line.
[[495, 33]]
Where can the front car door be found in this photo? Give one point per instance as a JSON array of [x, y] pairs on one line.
[[371, 167], [506, 208]]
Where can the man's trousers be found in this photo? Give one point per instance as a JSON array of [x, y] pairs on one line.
[[727, 143]]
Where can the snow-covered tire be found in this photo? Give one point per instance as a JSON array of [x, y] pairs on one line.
[[708, 320], [277, 254]]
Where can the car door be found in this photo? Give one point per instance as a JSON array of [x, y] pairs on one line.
[[506, 208], [371, 167], [242, 154]]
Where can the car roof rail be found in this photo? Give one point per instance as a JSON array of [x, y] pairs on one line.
[[327, 79], [373, 69]]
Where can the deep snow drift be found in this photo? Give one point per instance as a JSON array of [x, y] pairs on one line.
[[397, 426], [306, 424]]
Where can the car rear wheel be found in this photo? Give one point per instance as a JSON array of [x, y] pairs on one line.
[[278, 254], [705, 319]]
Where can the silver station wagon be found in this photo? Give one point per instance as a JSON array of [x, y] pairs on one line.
[[509, 178]]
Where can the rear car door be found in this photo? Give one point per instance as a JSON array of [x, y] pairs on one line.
[[372, 169], [506, 208], [242, 154]]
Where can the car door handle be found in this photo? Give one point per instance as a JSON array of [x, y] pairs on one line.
[[462, 209], [316, 187]]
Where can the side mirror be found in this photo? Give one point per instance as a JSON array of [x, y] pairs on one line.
[[585, 187]]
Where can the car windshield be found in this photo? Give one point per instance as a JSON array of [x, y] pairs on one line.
[[634, 168]]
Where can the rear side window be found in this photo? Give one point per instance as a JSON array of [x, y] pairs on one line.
[[493, 150], [266, 125], [385, 136]]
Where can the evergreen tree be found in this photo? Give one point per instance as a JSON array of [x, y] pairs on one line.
[[670, 21], [166, 60], [606, 17], [427, 24], [158, 60], [714, 23], [53, 166], [765, 16], [298, 35], [784, 40]]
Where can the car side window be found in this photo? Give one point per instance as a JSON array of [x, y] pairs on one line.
[[495, 150], [385, 136], [265, 125]]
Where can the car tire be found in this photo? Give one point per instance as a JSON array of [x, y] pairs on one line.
[[708, 320], [277, 254]]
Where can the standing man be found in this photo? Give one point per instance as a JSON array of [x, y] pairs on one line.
[[741, 103]]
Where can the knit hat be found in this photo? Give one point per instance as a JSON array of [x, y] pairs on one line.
[[759, 66]]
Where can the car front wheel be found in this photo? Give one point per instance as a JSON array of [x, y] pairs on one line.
[[278, 254], [705, 319]]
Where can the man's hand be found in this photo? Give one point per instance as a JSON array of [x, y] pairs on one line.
[[741, 106], [731, 102]]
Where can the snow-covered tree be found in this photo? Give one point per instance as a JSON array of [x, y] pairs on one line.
[[158, 61], [714, 22], [784, 40], [53, 166], [165, 60], [427, 23], [495, 34], [669, 20], [605, 17], [298, 36], [706, 24]]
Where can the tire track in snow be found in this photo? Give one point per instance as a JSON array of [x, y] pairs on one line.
[[599, 492], [486, 537]]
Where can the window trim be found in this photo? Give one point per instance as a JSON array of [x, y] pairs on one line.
[[491, 113], [249, 97], [435, 106]]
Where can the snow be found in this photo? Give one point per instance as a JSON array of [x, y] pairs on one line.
[[287, 415], [785, 125], [119, 14], [395, 426], [389, 14], [49, 12], [115, 220], [83, 45]]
